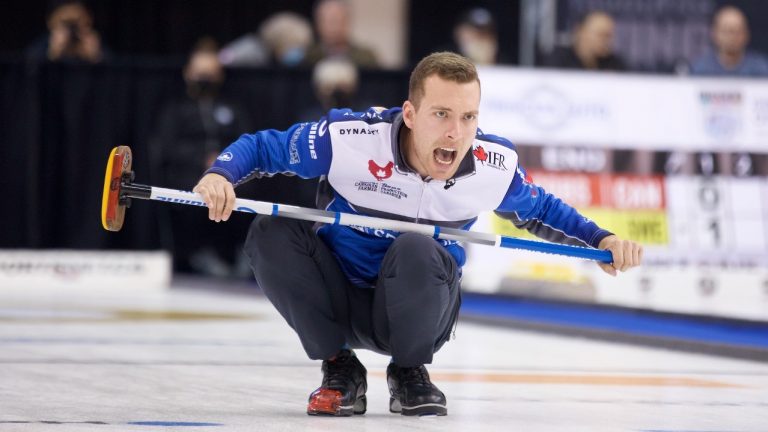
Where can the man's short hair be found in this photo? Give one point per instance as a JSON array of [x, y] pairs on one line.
[[447, 65]]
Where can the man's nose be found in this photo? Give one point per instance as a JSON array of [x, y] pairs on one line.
[[454, 131]]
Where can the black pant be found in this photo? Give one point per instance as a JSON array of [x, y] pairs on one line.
[[409, 314]]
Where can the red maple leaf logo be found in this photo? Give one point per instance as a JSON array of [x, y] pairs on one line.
[[379, 172], [480, 153]]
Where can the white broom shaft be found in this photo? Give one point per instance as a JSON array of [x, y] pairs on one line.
[[323, 216], [348, 219]]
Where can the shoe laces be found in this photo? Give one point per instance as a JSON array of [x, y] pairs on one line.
[[339, 370], [417, 375]]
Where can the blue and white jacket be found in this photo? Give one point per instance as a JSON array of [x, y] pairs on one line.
[[359, 155]]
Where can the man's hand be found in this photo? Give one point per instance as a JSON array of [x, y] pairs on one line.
[[218, 194], [626, 254], [90, 46], [57, 42]]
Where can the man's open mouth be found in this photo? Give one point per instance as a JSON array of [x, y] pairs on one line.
[[444, 156]]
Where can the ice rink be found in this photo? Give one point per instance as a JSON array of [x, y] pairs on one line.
[[218, 359]]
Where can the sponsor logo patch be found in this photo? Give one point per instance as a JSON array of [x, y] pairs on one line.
[[491, 159], [358, 131], [293, 148], [322, 128], [367, 186], [376, 232], [317, 130], [393, 191], [722, 113], [380, 172], [225, 157]]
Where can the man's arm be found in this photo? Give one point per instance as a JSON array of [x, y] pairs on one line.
[[542, 230], [304, 150], [530, 207], [301, 150]]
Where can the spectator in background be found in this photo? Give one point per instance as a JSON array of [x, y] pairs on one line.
[[475, 37], [71, 36], [335, 83], [283, 39], [189, 134], [332, 22], [288, 37], [730, 56], [592, 48]]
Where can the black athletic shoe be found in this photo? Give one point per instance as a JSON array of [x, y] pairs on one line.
[[342, 392], [412, 393]]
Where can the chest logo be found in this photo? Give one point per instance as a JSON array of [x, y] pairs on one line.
[[381, 173], [491, 159], [480, 153]]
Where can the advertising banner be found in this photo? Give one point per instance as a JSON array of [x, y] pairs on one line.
[[625, 111]]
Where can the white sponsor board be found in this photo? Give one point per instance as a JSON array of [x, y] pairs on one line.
[[624, 110], [84, 269]]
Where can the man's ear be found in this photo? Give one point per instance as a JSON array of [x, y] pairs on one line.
[[409, 112]]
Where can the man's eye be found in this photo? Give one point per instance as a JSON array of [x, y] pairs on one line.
[[470, 117], [441, 114]]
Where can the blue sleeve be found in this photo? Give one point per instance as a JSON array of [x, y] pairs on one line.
[[532, 208], [304, 150]]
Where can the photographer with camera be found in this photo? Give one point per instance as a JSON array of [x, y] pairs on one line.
[[71, 35]]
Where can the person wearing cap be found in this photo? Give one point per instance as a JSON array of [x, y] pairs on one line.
[[475, 37]]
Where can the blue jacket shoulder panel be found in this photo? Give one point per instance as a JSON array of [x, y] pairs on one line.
[[495, 139], [372, 115]]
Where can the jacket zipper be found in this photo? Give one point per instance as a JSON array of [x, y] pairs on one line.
[[424, 183]]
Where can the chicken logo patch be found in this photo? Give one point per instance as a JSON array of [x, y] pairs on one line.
[[381, 173]]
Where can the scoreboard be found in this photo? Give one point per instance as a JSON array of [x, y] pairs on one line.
[[721, 217]]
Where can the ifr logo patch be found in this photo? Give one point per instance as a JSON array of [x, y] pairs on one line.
[[489, 158]]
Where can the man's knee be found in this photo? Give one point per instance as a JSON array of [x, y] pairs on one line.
[[267, 239], [267, 232], [265, 228], [418, 253]]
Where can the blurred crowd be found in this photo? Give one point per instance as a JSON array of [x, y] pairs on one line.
[[192, 128], [290, 39]]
